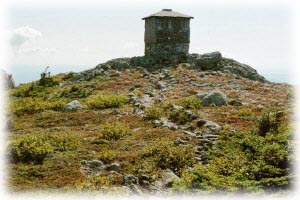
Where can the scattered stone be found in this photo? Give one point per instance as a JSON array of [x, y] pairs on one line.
[[169, 177], [212, 126], [114, 166], [217, 98], [191, 115], [130, 179], [235, 102], [72, 106], [156, 186], [95, 163], [190, 133]]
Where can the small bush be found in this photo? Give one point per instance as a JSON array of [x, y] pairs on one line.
[[114, 131], [75, 91], [245, 112], [155, 111], [30, 148], [270, 121], [63, 142], [179, 116], [166, 154], [46, 80], [106, 155], [102, 101], [190, 103], [138, 93], [31, 105]]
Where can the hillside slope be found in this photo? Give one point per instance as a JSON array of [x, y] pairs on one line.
[[210, 125]]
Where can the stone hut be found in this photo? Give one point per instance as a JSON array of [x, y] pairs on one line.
[[167, 36]]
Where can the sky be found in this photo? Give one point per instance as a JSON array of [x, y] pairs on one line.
[[74, 37]]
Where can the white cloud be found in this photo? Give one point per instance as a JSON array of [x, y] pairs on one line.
[[36, 50], [130, 45], [84, 50], [22, 35]]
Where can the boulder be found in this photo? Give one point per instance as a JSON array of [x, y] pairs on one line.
[[209, 60], [217, 98], [169, 177], [114, 166], [119, 63], [95, 163], [72, 106], [130, 179]]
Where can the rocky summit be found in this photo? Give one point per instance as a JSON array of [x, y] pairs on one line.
[[131, 126]]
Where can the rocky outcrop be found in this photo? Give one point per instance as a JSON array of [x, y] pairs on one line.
[[204, 62], [215, 61]]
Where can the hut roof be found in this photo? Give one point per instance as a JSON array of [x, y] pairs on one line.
[[168, 13]]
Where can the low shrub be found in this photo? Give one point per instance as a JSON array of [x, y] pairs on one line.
[[30, 148], [74, 92], [31, 105], [179, 116], [244, 161], [270, 121], [63, 142], [106, 155], [155, 111], [34, 148], [190, 103], [167, 155], [114, 131], [102, 101], [245, 112]]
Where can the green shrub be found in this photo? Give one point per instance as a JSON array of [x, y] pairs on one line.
[[270, 121], [245, 112], [74, 91], [167, 155], [114, 131], [155, 111], [102, 101], [63, 142], [31, 105], [243, 161], [179, 116], [190, 103], [106, 155], [30, 148], [46, 80]]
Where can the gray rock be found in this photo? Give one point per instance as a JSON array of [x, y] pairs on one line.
[[217, 98], [169, 177], [156, 186], [157, 123], [95, 163], [191, 115], [209, 60], [190, 133], [231, 66], [114, 166], [130, 179], [176, 107], [212, 126], [119, 63], [235, 102], [72, 105]]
